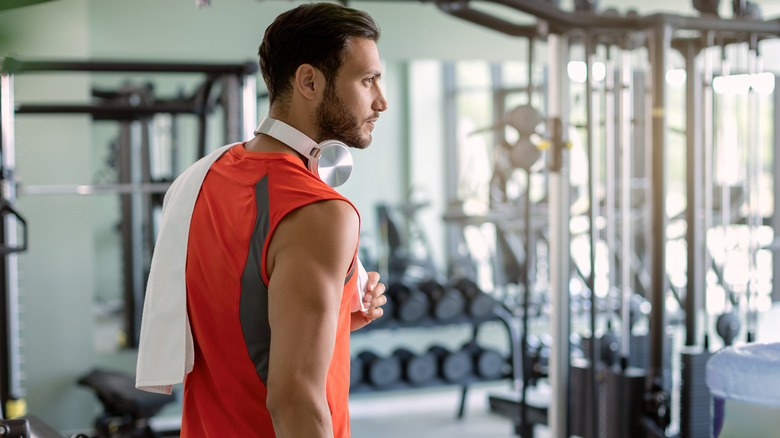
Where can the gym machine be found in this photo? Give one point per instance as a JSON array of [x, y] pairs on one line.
[[230, 88], [126, 410], [30, 427], [626, 123]]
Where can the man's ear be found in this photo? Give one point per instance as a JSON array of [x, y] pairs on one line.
[[309, 81]]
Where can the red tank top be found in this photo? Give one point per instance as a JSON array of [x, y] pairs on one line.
[[243, 198]]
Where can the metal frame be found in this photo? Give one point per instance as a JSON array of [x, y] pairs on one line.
[[559, 237], [135, 186], [659, 49], [775, 221], [658, 31], [10, 349]]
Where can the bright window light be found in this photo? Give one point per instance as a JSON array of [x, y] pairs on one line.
[[762, 83], [578, 71], [676, 77]]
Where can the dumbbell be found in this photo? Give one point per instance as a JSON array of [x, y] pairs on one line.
[[478, 304], [453, 366], [379, 371], [411, 305], [416, 369], [488, 363], [447, 303]]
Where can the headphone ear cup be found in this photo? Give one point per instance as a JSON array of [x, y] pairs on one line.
[[332, 162]]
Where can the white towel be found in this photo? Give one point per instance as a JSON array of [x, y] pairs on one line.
[[165, 348], [362, 287]]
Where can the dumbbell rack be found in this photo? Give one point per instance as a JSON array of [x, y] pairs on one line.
[[391, 367]]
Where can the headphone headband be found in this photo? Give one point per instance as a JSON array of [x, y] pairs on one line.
[[330, 160], [287, 135]]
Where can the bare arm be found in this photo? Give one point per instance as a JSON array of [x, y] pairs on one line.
[[308, 257]]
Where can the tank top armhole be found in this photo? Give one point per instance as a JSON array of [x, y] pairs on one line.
[[274, 224]]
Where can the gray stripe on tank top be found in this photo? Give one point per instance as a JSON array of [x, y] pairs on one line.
[[351, 271], [253, 310]]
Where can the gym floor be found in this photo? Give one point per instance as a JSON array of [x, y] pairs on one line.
[[432, 413], [419, 413]]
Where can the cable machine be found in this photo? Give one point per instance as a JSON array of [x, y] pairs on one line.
[[627, 124], [140, 194]]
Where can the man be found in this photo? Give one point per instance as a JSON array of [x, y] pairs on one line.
[[272, 250]]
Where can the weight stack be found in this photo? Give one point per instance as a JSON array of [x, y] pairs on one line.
[[695, 398], [640, 351], [625, 391], [607, 348], [581, 404]]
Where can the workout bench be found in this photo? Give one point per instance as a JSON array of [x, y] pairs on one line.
[[127, 410]]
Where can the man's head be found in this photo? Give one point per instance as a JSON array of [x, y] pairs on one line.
[[316, 34]]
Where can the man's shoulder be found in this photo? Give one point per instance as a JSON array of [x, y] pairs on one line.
[[328, 213]]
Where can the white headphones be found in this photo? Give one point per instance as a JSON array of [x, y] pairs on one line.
[[330, 160]]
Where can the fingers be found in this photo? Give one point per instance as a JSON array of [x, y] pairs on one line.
[[378, 291], [375, 297], [373, 280], [374, 313], [374, 292]]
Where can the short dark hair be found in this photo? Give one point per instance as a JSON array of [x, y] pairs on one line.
[[316, 34]]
